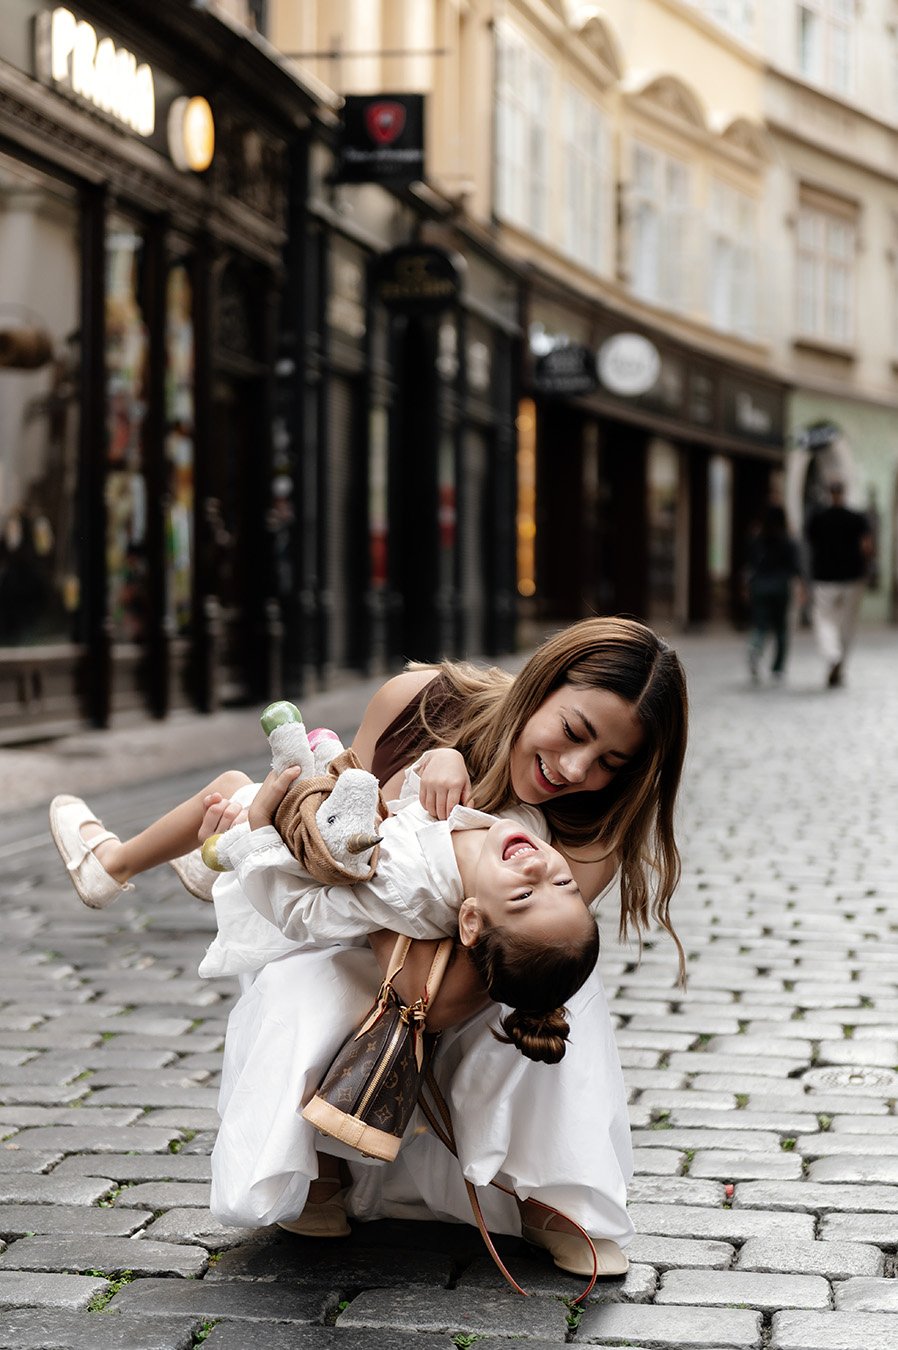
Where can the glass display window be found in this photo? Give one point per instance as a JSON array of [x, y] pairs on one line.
[[40, 364], [179, 445]]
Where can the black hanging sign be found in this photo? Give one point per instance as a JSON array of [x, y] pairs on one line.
[[383, 139], [566, 370], [416, 279]]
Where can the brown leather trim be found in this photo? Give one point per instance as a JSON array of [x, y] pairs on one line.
[[350, 1130]]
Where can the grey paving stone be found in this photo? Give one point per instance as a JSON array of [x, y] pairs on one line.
[[833, 1331], [732, 1166], [37, 1189], [881, 1229], [136, 1167], [743, 1140], [47, 1330], [109, 1254], [657, 1162], [670, 1253], [865, 1052], [847, 1123], [815, 1198], [196, 1226], [856, 1169], [81, 1117], [232, 1336], [723, 1288], [675, 1190], [239, 1300], [671, 1328], [867, 1295], [725, 1225], [15, 1159], [276, 1256], [670, 1100], [24, 1289], [18, 1221], [174, 1076], [783, 1122], [104, 1139], [161, 1195], [41, 1094], [835, 1260], [855, 1145], [155, 1097], [476, 1311]]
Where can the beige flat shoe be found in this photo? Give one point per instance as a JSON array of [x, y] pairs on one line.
[[95, 887], [194, 875], [571, 1253], [326, 1219]]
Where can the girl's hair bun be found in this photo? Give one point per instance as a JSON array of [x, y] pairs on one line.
[[539, 1036]]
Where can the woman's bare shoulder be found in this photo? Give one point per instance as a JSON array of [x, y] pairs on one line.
[[385, 705]]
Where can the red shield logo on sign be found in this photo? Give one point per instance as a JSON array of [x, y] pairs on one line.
[[384, 122]]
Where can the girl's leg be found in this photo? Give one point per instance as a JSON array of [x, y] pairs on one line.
[[173, 835]]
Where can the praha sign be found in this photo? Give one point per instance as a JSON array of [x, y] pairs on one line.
[[75, 60]]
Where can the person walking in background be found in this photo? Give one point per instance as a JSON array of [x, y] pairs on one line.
[[841, 546], [773, 565]]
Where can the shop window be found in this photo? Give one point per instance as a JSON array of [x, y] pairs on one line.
[[179, 445], [666, 533], [39, 408], [825, 275], [825, 37], [720, 542], [127, 348], [661, 227], [733, 260], [586, 156], [523, 84]]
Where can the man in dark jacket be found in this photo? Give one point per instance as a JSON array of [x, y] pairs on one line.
[[841, 546]]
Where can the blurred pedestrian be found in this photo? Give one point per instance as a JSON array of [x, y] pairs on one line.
[[841, 547], [774, 564]]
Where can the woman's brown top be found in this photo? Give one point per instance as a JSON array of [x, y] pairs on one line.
[[405, 738]]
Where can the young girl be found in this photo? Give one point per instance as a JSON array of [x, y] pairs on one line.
[[497, 883]]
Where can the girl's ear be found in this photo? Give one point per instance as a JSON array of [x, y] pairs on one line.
[[470, 923]]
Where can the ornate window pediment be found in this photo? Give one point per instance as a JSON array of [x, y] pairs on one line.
[[595, 30], [669, 95], [743, 134]]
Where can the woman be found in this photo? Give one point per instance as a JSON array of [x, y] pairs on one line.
[[773, 566], [593, 732]]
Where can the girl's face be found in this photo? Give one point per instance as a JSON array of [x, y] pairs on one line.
[[576, 741]]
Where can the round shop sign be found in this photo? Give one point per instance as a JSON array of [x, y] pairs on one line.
[[628, 364], [191, 134]]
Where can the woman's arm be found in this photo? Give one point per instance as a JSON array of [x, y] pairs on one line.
[[461, 993], [386, 705]]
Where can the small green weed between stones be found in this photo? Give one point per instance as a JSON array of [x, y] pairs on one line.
[[465, 1338], [848, 1032], [741, 1100], [203, 1333], [116, 1282], [824, 1121], [787, 1145]]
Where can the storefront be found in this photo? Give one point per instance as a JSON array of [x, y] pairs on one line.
[[405, 414], [652, 462], [143, 218]]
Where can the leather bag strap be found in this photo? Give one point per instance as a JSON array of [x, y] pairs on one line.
[[444, 1132]]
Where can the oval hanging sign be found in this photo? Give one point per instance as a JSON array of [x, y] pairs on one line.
[[628, 364]]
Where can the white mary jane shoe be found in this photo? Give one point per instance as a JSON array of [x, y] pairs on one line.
[[194, 875], [571, 1253], [87, 874]]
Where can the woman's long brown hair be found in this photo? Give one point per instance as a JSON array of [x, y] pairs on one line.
[[633, 817]]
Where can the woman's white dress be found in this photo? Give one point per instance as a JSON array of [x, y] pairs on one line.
[[559, 1132]]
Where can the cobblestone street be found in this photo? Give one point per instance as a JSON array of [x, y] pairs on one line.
[[763, 1100]]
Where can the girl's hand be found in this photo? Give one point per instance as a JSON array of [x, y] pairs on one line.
[[270, 795], [444, 781], [220, 814]]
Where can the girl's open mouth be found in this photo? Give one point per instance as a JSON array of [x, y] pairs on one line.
[[518, 846]]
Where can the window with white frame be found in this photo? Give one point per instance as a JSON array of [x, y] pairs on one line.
[[737, 16], [523, 87], [827, 243], [825, 33], [732, 280], [660, 228], [585, 177]]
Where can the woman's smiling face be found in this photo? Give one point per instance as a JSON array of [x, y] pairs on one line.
[[576, 741]]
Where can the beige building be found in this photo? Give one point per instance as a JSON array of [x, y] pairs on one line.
[[713, 177]]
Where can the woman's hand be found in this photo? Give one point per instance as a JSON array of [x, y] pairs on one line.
[[444, 781], [270, 795]]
